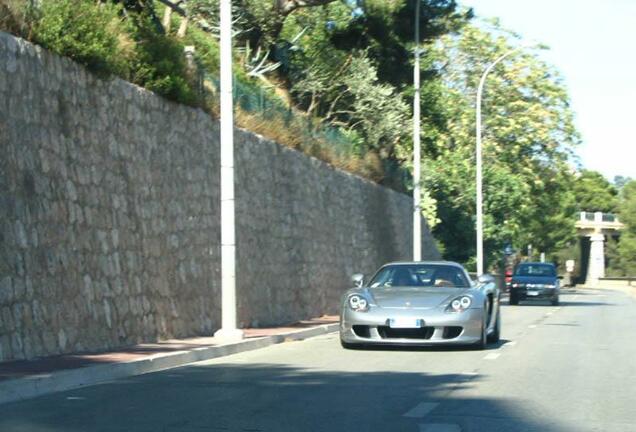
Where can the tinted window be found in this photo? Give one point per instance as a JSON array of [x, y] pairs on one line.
[[420, 275], [535, 270]]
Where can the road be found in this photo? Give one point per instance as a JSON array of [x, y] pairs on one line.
[[566, 368]]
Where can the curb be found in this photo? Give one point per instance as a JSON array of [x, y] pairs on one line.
[[39, 385]]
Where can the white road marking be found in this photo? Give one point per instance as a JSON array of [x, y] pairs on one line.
[[75, 398], [470, 373], [532, 326], [440, 427], [548, 313], [492, 356], [421, 410]]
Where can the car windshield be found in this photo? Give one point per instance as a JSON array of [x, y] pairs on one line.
[[535, 270], [420, 275]]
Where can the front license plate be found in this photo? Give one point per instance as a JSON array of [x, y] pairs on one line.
[[533, 293], [405, 323]]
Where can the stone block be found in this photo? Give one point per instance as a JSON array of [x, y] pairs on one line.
[[7, 325], [6, 291]]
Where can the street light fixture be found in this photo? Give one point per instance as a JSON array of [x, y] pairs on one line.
[[480, 220]]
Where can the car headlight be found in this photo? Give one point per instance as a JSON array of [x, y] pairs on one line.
[[358, 303], [549, 286], [515, 285], [460, 304]]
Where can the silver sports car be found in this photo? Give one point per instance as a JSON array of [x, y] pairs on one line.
[[421, 303]]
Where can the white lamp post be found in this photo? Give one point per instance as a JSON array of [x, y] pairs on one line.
[[417, 214], [228, 329], [480, 220]]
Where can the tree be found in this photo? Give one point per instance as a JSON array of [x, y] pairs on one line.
[[528, 143], [594, 193], [627, 243], [620, 181]]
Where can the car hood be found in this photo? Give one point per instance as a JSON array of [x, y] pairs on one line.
[[535, 280], [413, 298]]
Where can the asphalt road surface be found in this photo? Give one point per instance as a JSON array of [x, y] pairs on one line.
[[565, 368]]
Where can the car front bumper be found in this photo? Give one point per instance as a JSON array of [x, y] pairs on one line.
[[439, 327], [539, 293]]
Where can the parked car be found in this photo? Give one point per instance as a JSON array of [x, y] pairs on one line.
[[421, 303], [535, 281]]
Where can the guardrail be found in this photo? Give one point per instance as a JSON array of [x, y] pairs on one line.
[[619, 281]]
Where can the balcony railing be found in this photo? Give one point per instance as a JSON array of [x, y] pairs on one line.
[[589, 218]]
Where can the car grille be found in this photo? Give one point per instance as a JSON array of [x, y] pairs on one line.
[[424, 333], [387, 332]]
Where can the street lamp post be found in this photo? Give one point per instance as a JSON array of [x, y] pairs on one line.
[[417, 214], [228, 329], [480, 220]]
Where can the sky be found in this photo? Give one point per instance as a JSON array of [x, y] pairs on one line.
[[593, 44]]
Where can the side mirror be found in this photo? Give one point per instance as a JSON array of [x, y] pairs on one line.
[[485, 278], [560, 277], [357, 279]]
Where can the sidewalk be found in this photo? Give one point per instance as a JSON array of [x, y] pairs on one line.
[[627, 289], [27, 379]]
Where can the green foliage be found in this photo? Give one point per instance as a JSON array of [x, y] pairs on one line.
[[620, 181], [528, 140], [159, 63], [627, 206], [84, 31], [622, 254], [206, 49], [594, 193], [627, 254]]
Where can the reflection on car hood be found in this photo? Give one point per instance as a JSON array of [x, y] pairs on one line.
[[537, 280], [413, 297]]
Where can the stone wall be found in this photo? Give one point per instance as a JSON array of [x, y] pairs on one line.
[[109, 217]]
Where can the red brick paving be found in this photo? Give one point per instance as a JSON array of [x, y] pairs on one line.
[[47, 365]]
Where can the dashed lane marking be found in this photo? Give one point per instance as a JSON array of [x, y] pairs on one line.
[[532, 326], [492, 356], [440, 427], [421, 410]]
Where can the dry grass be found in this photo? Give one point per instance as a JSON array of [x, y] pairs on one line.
[[13, 17], [293, 135]]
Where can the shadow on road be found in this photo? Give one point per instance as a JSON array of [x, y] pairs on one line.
[[436, 348], [273, 397]]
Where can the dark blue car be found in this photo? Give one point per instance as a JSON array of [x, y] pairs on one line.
[[535, 281]]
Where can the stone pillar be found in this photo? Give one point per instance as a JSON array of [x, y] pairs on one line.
[[596, 266]]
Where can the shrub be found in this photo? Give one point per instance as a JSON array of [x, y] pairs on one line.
[[159, 63], [89, 33]]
